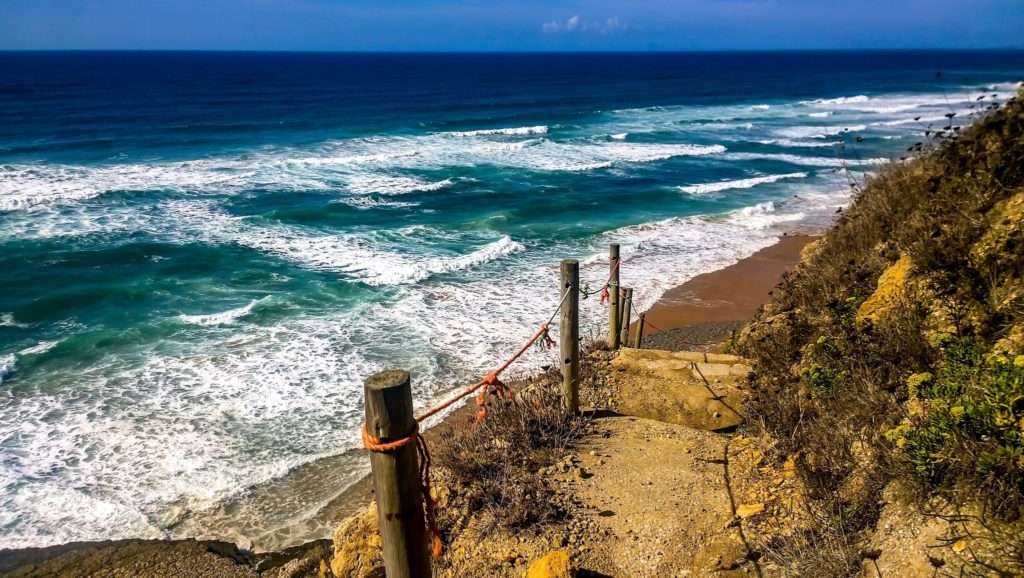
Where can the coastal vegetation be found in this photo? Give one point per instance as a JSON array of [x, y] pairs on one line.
[[893, 352]]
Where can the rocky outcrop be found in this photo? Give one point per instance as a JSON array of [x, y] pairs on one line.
[[557, 564], [357, 547], [893, 289], [688, 388], [164, 558]]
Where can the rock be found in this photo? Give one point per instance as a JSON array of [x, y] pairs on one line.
[[131, 559], [789, 467], [892, 289], [707, 370], [553, 565], [507, 555], [302, 561], [748, 510], [357, 547]]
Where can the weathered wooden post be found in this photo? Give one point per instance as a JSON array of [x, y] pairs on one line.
[[627, 313], [640, 331], [396, 475], [613, 296], [569, 335]]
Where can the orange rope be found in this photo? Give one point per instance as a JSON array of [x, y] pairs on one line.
[[503, 392], [485, 381], [377, 445], [608, 283]]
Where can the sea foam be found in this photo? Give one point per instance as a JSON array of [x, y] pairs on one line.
[[737, 184], [223, 317], [522, 130], [7, 364], [40, 348], [807, 161], [7, 320]]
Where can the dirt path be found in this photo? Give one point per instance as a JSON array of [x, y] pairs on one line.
[[656, 497], [654, 479]]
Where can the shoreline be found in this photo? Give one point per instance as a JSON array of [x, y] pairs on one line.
[[701, 312], [702, 307]]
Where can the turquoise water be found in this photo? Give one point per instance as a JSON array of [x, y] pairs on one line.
[[205, 254]]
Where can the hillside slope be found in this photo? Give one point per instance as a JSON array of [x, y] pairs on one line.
[[893, 352]]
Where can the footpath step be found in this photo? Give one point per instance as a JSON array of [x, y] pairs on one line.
[[679, 387]]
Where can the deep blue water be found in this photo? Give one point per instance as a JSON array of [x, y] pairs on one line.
[[204, 254]]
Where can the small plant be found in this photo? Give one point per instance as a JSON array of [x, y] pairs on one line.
[[821, 375], [972, 430], [492, 464]]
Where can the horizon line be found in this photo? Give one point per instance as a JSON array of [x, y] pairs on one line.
[[626, 51]]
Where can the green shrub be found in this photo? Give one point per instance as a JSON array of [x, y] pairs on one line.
[[972, 430]]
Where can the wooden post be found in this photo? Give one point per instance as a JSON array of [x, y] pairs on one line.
[[396, 475], [627, 313], [569, 335], [640, 331], [613, 296]]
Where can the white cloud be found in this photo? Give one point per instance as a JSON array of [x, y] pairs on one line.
[[551, 27], [573, 24], [613, 24]]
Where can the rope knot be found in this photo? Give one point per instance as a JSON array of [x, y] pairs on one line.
[[378, 445], [548, 342], [500, 389]]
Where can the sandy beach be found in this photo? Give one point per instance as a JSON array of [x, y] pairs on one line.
[[701, 313]]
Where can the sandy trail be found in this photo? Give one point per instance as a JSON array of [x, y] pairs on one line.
[[654, 478]]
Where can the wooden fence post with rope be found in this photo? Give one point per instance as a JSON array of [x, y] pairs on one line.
[[613, 292], [390, 425], [569, 334], [639, 343], [627, 314]]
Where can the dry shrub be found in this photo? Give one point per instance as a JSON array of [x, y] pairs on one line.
[[831, 388], [823, 553], [492, 464]]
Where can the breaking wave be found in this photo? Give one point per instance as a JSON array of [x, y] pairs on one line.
[[706, 188]]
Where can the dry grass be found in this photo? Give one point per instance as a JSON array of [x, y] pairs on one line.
[[832, 388], [492, 465]]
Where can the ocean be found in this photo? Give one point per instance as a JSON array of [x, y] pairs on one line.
[[204, 254]]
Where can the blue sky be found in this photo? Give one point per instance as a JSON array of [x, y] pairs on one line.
[[473, 25]]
